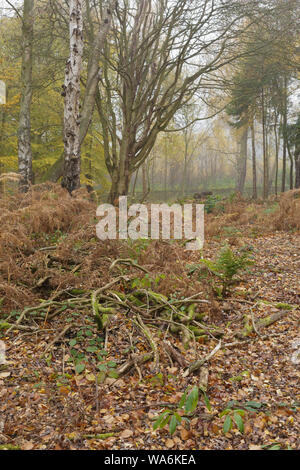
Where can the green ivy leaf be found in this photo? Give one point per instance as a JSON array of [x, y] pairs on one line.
[[173, 425], [192, 400], [239, 421], [92, 349], [240, 412], [101, 377], [206, 401], [113, 374], [182, 400], [227, 424], [165, 421], [225, 412], [253, 404], [160, 422], [112, 364], [79, 368]]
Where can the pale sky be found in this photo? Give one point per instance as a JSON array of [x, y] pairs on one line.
[[5, 8]]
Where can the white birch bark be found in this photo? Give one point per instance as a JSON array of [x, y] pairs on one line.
[[24, 140], [72, 160]]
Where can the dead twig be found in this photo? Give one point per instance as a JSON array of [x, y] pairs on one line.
[[57, 338], [128, 262], [197, 364]]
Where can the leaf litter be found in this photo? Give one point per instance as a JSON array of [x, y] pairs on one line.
[[65, 383]]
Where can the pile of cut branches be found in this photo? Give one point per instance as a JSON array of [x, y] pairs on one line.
[[152, 317]]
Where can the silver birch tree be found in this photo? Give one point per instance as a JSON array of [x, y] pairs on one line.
[[24, 130], [71, 93]]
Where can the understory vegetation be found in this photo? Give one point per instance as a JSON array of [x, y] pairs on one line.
[[116, 331], [143, 343]]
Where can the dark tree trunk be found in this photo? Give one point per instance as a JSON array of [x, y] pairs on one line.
[[254, 171], [242, 163], [120, 182], [119, 187], [144, 174], [135, 181], [284, 125], [291, 165], [265, 150], [283, 166], [276, 157], [166, 174], [297, 168]]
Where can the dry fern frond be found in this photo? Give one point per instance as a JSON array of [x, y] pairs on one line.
[[10, 177]]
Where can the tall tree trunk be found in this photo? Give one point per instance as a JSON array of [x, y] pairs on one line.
[[185, 163], [93, 77], [144, 174], [254, 170], [24, 138], [166, 171], [291, 164], [152, 172], [272, 172], [284, 165], [297, 170], [284, 125], [297, 159], [72, 159], [276, 156], [120, 182], [265, 150], [135, 181], [242, 162], [3, 121]]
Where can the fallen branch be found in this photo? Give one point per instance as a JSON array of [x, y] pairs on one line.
[[99, 436], [30, 310], [12, 326], [149, 337], [175, 354], [138, 360], [128, 262], [198, 364], [262, 323], [57, 338]]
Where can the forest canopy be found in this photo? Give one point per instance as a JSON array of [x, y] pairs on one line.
[[173, 95]]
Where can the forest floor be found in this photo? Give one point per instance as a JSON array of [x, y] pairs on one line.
[[67, 384]]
